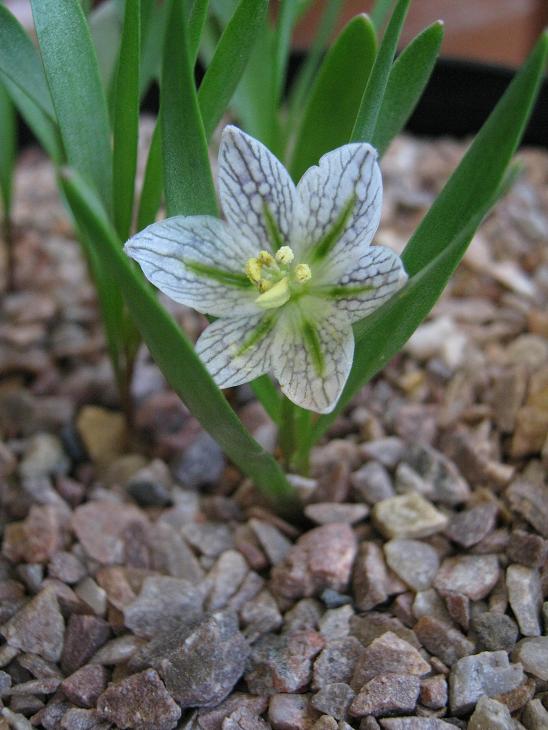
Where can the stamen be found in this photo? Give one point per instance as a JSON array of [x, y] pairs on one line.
[[285, 255], [253, 270], [302, 273], [276, 296], [265, 258]]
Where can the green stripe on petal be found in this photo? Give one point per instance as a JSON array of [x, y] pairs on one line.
[[229, 278], [326, 244], [313, 345], [259, 333], [341, 292], [274, 235]]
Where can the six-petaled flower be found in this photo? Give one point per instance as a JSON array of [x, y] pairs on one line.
[[286, 274]]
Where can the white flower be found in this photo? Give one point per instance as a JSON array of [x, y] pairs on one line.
[[288, 272]]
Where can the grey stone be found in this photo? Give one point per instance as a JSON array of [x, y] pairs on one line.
[[100, 528], [66, 567], [474, 576], [291, 712], [334, 699], [388, 654], [370, 577], [38, 627], [416, 723], [200, 664], [225, 577], [335, 623], [495, 631], [488, 673], [430, 603], [490, 714], [530, 501], [210, 538], [407, 480], [388, 451], [201, 463], [140, 702], [260, 615], [43, 456], [535, 715], [442, 640], [525, 597], [527, 549], [83, 637], [533, 655], [171, 554], [118, 651], [408, 515], [322, 513], [470, 526], [244, 719], [273, 542], [372, 482], [282, 663], [448, 486], [433, 692], [336, 662], [161, 604], [305, 614], [86, 684], [213, 719], [372, 624], [92, 595], [415, 562], [386, 694]]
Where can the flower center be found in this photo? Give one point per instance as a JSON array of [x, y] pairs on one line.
[[276, 277]]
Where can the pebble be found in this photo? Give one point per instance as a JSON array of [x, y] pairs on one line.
[[117, 651], [291, 712], [46, 686], [495, 631], [150, 486], [305, 614], [416, 723], [282, 663], [38, 627], [490, 714], [103, 433], [372, 624], [140, 702], [213, 719], [489, 673], [535, 715], [370, 577], [336, 662], [388, 451], [80, 719], [408, 515], [209, 538], [35, 539], [433, 692], [100, 528], [83, 637], [335, 623], [527, 549], [260, 615], [372, 482], [322, 513], [86, 684], [92, 595], [200, 665], [334, 699], [66, 567], [322, 558], [244, 719], [533, 655], [447, 485], [171, 554], [525, 597], [442, 640], [388, 654], [470, 526], [386, 694], [275, 545], [474, 576], [414, 562], [43, 456], [225, 577], [201, 463], [531, 502]]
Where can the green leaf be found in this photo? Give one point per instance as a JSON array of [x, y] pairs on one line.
[[105, 25], [175, 355], [407, 81], [187, 174], [20, 62], [154, 17], [126, 119], [153, 183], [366, 120], [268, 394], [196, 22], [73, 77], [336, 95], [8, 136], [288, 12], [483, 166], [381, 335], [379, 13], [229, 61]]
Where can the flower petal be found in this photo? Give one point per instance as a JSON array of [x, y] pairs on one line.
[[312, 354], [340, 197], [197, 261], [237, 350], [377, 276], [257, 194]]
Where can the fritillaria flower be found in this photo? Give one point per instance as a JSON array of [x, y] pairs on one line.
[[286, 274]]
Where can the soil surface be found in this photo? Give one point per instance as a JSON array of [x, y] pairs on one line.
[[144, 584]]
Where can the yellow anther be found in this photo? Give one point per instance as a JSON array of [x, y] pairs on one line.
[[276, 296], [265, 285], [253, 270], [265, 258], [285, 255], [302, 273]]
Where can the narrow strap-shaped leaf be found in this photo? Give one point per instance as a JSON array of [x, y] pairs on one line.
[[270, 398], [196, 22], [78, 97], [366, 120], [288, 11], [302, 84], [20, 62], [153, 183], [341, 82], [8, 135], [229, 61], [126, 119], [175, 355], [407, 81], [43, 128], [105, 25], [379, 12], [187, 173], [483, 166], [154, 17]]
